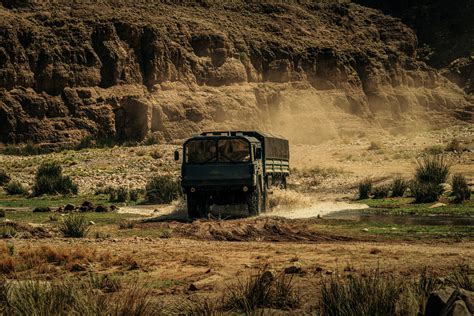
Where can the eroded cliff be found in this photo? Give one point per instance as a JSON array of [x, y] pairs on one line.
[[309, 71]]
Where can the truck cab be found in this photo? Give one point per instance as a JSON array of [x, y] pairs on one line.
[[225, 168]]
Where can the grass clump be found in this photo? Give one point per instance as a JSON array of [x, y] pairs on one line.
[[126, 224], [15, 188], [358, 295], [461, 191], [4, 177], [262, 290], [162, 189], [49, 180], [430, 173], [399, 186], [365, 187], [380, 192], [74, 225], [120, 194], [433, 150]]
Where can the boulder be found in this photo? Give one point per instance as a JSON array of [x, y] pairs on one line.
[[450, 302], [41, 209]]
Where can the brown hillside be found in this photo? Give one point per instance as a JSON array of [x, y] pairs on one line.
[[308, 71]]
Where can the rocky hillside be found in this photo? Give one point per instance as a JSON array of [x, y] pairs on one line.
[[308, 71], [445, 31]]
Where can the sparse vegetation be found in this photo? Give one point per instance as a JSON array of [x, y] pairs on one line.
[[7, 231], [399, 186], [461, 191], [262, 290], [455, 146], [120, 194], [4, 177], [365, 187], [373, 294], [374, 146], [431, 171], [134, 194], [49, 180], [434, 150], [380, 192], [15, 188], [74, 225], [162, 189], [126, 224]]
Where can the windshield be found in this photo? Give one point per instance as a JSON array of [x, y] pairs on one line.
[[228, 150]]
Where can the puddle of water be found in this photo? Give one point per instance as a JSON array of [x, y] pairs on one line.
[[363, 216]]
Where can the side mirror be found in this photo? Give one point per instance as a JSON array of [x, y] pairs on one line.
[[176, 155], [258, 153]]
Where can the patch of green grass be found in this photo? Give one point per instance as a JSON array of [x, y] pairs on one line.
[[101, 219], [405, 206], [51, 200]]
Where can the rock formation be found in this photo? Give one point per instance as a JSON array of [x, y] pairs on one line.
[[310, 71]]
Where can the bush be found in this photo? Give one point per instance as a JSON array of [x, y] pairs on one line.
[[380, 192], [162, 189], [74, 225], [15, 188], [134, 195], [365, 187], [262, 290], [426, 192], [461, 190], [49, 180], [357, 295], [432, 169], [4, 177], [399, 186], [120, 194]]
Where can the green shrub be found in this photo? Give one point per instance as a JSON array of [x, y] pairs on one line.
[[120, 194], [399, 186], [358, 295], [365, 186], [432, 169], [461, 190], [49, 180], [162, 189], [426, 192], [74, 225], [4, 177], [134, 195], [15, 188], [262, 290], [380, 192]]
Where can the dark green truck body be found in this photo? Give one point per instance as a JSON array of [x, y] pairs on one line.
[[232, 167]]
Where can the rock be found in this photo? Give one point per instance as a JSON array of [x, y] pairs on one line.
[[450, 302], [318, 269], [69, 207], [436, 205], [329, 272], [87, 205], [192, 287], [91, 223], [41, 209], [113, 207], [365, 229], [101, 209]]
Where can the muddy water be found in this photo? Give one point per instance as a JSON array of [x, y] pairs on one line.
[[364, 216]]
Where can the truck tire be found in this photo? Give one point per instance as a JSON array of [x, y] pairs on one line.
[[192, 203], [254, 201]]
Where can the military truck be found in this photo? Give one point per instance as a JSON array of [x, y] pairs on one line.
[[232, 167]]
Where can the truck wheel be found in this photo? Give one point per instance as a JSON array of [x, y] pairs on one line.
[[192, 202], [203, 206], [254, 201]]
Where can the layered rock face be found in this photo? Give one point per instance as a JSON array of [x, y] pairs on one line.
[[308, 71]]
